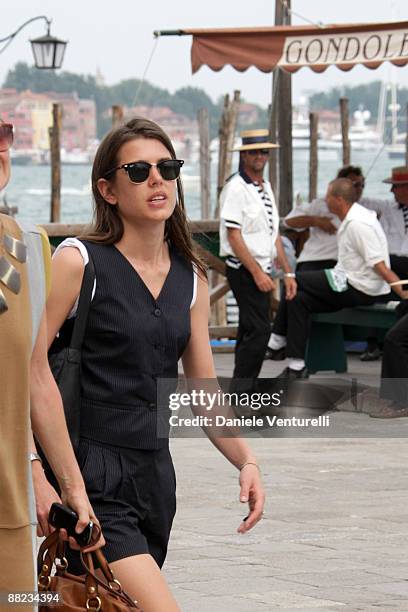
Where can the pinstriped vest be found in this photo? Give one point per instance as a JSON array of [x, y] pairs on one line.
[[131, 341]]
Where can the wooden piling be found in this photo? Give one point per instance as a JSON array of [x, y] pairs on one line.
[[406, 138], [55, 153], [273, 136], [205, 162], [231, 125], [117, 115], [226, 136], [344, 118], [313, 155], [283, 97]]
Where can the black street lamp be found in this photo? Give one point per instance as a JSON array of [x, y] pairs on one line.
[[48, 51]]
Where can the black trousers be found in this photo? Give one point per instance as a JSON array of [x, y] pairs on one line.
[[394, 371], [399, 264], [314, 295], [322, 264], [254, 327]]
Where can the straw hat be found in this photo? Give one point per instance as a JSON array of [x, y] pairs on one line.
[[255, 139], [399, 176]]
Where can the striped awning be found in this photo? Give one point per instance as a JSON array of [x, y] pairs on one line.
[[295, 47]]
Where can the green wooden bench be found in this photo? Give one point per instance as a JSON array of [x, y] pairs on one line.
[[325, 350]]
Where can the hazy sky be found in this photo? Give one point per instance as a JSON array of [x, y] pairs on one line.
[[119, 42]]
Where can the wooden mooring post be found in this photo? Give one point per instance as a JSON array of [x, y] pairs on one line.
[[117, 115], [226, 134], [344, 118], [55, 153], [205, 162], [406, 136], [313, 155]]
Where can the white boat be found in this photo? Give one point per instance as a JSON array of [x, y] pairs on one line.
[[75, 157], [362, 136], [397, 150]]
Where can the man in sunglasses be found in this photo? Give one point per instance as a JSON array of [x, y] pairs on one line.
[[24, 279], [250, 240], [361, 277], [321, 249]]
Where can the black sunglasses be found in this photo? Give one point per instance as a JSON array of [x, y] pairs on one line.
[[139, 171], [258, 152], [6, 136], [359, 183]]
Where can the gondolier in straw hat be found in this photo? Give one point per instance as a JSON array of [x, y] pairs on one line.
[[250, 240]]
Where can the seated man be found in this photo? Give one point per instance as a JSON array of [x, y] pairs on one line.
[[320, 249], [360, 276]]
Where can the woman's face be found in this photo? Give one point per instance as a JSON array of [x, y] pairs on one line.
[[151, 201]]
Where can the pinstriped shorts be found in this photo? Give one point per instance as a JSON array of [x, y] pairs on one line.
[[132, 493]]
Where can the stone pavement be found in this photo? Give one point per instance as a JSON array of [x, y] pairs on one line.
[[334, 536]]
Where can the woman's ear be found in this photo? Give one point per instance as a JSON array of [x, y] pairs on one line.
[[107, 192]]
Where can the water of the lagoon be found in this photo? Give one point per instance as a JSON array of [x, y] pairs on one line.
[[29, 187]]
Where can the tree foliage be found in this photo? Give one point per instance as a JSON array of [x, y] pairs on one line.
[[130, 92]]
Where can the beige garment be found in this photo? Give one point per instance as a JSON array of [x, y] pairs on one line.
[[16, 340]]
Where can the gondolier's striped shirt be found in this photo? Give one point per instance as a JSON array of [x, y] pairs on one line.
[[232, 261]]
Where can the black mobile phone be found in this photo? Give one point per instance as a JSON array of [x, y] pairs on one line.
[[62, 517]]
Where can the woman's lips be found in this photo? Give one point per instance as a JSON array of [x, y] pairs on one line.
[[157, 200]]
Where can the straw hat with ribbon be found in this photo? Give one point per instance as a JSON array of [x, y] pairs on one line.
[[255, 139], [399, 176]]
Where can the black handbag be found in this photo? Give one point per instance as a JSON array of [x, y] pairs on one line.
[[64, 356]]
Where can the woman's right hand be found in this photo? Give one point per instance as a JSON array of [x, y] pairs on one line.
[[77, 499]]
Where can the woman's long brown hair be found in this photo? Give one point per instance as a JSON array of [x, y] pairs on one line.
[[107, 226]]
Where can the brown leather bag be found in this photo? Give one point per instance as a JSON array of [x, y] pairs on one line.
[[79, 593]]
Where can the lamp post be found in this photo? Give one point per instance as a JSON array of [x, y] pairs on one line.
[[48, 51]]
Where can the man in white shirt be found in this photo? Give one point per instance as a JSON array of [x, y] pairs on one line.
[[249, 237], [361, 274], [320, 249]]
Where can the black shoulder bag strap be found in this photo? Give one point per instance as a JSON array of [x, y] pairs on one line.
[[66, 366]]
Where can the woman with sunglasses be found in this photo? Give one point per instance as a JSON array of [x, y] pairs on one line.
[[150, 308], [24, 280]]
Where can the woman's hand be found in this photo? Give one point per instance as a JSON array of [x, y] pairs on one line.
[[253, 493], [77, 500], [45, 496]]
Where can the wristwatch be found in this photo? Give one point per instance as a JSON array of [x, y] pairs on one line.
[[35, 457], [289, 275]]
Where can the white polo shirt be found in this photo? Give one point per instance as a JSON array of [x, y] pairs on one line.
[[244, 208], [321, 245], [362, 244], [394, 227]]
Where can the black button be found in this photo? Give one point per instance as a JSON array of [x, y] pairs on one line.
[[157, 312]]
